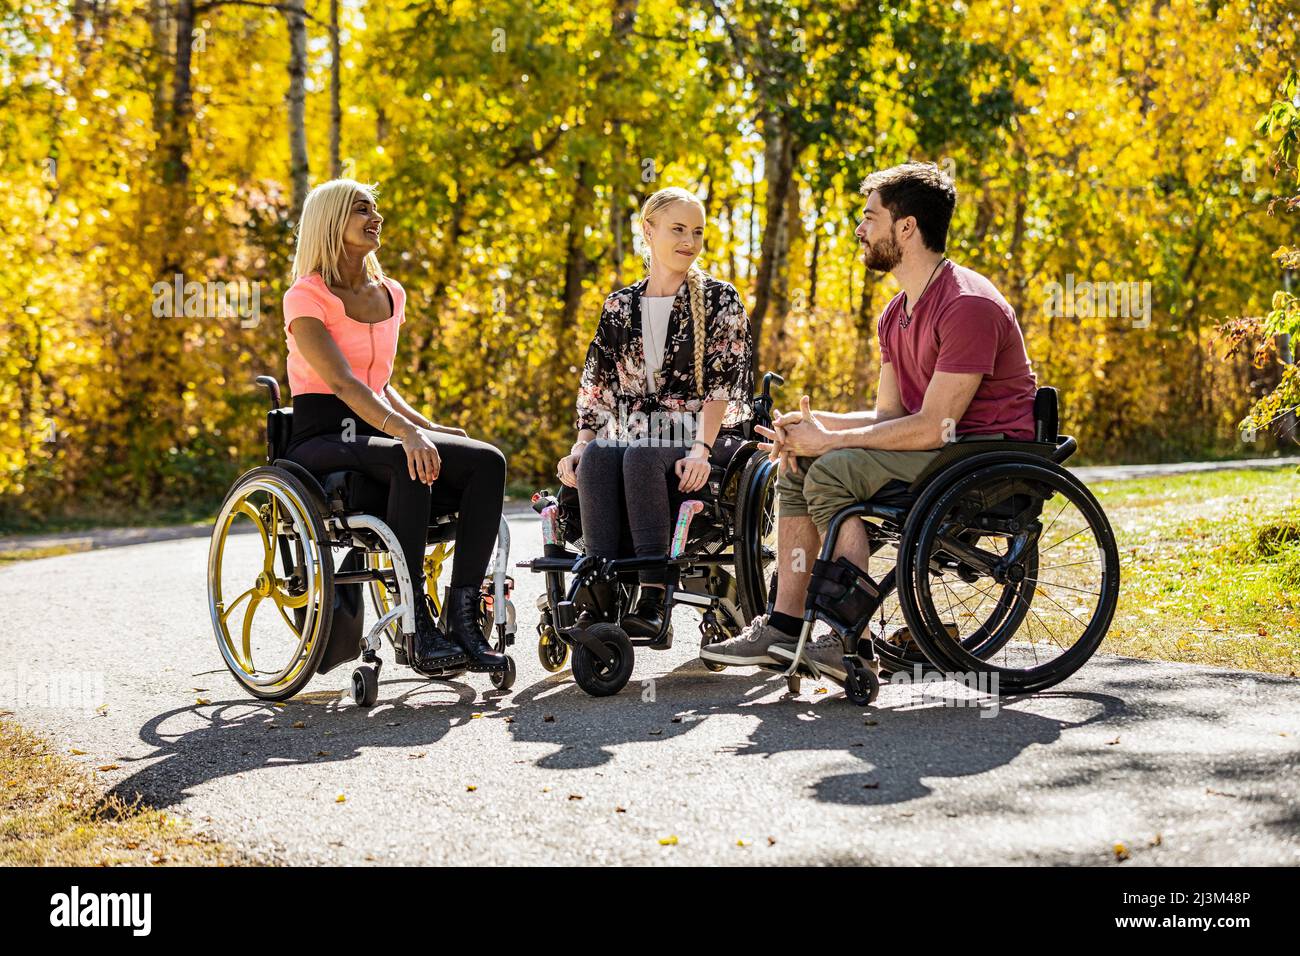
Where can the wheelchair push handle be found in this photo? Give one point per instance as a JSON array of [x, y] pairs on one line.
[[272, 386], [763, 403]]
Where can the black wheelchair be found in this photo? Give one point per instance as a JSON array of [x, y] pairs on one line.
[[958, 558], [273, 546], [1001, 564], [721, 564]]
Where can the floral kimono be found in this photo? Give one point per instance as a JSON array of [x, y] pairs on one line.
[[614, 398]]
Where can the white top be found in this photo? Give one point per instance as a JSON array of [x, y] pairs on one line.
[[655, 310]]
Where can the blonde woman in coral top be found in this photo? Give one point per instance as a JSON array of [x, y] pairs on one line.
[[342, 317]]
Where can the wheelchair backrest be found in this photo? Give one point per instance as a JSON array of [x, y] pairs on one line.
[[279, 429], [1046, 415]]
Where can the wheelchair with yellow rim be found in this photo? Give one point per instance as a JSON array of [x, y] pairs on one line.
[[292, 553]]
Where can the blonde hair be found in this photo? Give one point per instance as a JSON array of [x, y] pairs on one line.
[[650, 210], [320, 231]]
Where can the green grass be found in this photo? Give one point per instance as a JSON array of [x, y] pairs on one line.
[[1210, 568]]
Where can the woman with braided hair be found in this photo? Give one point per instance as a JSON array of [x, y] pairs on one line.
[[667, 384]]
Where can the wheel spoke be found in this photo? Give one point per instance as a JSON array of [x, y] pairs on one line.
[[234, 604], [284, 599], [1065, 609], [1062, 541], [252, 514], [1065, 503], [1072, 564], [1054, 584], [290, 624], [246, 655], [1050, 634]]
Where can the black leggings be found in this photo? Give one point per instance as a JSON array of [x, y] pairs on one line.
[[472, 482], [640, 481]]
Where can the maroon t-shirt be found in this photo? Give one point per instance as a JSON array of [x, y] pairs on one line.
[[961, 323]]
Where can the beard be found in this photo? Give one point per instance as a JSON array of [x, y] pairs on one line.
[[884, 255]]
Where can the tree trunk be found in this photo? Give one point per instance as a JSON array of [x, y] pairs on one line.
[[815, 263], [790, 236], [779, 159], [297, 98], [577, 266], [176, 168], [866, 322], [336, 110]]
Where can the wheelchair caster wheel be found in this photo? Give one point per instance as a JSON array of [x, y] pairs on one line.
[[365, 685], [711, 632], [868, 687], [504, 680], [593, 675], [552, 652]]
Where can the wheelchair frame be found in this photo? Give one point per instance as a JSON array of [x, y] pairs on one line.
[[692, 578], [323, 511], [898, 517]]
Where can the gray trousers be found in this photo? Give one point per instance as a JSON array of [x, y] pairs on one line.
[[637, 483]]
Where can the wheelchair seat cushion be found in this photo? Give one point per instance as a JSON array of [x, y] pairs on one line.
[[895, 494], [353, 492]]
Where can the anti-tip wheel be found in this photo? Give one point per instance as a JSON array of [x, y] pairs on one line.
[[365, 685], [868, 687], [504, 680]]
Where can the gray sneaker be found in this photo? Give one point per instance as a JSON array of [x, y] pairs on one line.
[[824, 655], [748, 648]]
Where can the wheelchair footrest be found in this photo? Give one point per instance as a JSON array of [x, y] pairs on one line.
[[842, 594]]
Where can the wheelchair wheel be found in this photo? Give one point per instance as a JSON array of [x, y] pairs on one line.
[[595, 676], [365, 685], [755, 541], [899, 651], [504, 680], [1022, 544], [270, 591], [552, 652]]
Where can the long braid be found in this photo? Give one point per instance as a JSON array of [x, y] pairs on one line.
[[695, 285]]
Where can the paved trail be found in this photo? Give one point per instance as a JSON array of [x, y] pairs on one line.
[[1179, 764]]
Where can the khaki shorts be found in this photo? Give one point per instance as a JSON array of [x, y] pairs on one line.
[[844, 477]]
